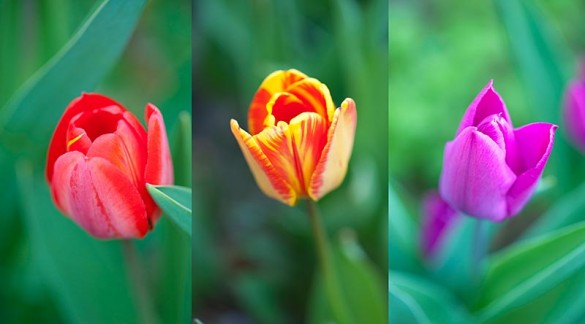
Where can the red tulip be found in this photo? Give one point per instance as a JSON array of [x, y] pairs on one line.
[[299, 144], [99, 161]]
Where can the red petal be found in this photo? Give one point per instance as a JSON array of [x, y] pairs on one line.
[[58, 144]]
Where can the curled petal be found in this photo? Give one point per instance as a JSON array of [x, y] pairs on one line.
[[316, 95], [159, 165], [332, 166], [475, 178], [267, 177], [535, 142], [488, 102], [277, 81]]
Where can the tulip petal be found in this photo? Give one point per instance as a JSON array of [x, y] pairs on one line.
[[61, 179], [575, 113], [332, 166], [487, 102], [277, 81], [159, 165], [438, 219], [113, 199], [98, 197], [314, 94], [535, 142], [267, 177], [284, 107], [58, 144], [475, 177]]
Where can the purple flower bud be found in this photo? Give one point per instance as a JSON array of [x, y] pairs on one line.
[[490, 169], [574, 113], [438, 219]]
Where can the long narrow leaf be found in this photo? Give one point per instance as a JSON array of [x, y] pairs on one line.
[[176, 202], [80, 65], [525, 271]]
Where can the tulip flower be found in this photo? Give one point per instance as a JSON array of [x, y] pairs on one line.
[[574, 112], [438, 220], [299, 144], [99, 161], [490, 169]]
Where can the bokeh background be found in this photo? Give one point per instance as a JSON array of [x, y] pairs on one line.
[[440, 58], [254, 258], [441, 55], [136, 52]]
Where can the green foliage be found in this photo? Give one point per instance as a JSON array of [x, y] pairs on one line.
[[176, 202], [362, 286], [52, 52], [533, 270]]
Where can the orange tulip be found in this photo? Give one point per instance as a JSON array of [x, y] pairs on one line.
[[299, 144]]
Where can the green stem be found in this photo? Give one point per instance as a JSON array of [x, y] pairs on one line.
[[139, 284], [480, 248], [332, 288]]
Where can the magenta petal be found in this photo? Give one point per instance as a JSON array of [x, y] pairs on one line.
[[535, 142], [438, 219], [487, 102], [475, 177], [575, 113]]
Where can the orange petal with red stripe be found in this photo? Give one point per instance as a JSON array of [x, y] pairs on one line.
[[266, 175], [294, 149], [332, 166]]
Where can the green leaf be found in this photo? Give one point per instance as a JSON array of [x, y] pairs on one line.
[[527, 270], [402, 234], [32, 113], [87, 275], [414, 299], [567, 210], [362, 286], [182, 153], [176, 203], [456, 264]]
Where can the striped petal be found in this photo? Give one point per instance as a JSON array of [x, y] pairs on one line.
[[266, 175], [294, 149], [332, 166], [315, 95], [98, 197], [277, 81]]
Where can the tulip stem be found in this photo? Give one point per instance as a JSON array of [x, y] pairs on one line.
[[480, 248], [139, 283], [328, 271]]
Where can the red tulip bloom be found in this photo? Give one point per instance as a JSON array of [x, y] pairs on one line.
[[99, 161], [299, 144]]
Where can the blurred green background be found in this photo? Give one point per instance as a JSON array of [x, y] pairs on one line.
[[135, 52], [441, 55], [254, 258]]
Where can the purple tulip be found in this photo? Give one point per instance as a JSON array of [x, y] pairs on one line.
[[438, 220], [490, 169], [575, 111]]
